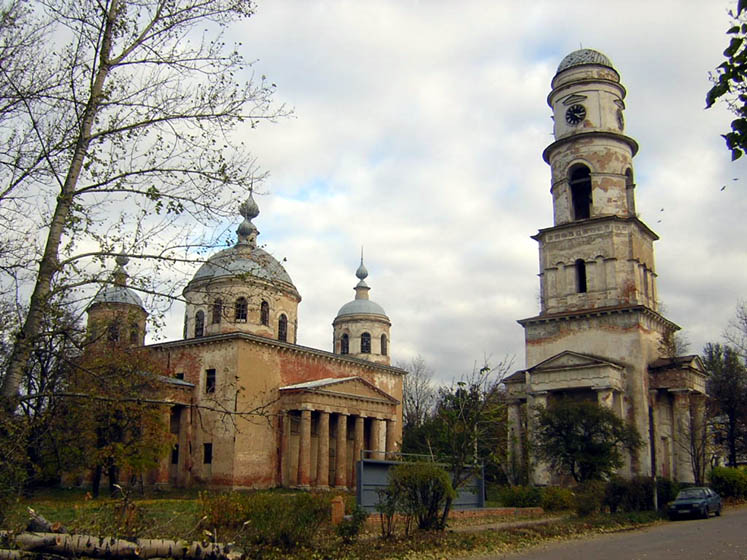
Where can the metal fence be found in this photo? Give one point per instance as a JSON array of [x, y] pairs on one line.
[[372, 474]]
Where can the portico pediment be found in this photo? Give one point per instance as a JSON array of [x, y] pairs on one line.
[[348, 393], [572, 370]]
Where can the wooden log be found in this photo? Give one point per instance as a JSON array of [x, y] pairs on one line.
[[110, 547], [39, 524]]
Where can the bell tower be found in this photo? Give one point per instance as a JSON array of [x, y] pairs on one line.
[[598, 328], [598, 253]]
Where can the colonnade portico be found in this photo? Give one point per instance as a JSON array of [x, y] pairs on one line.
[[325, 425]]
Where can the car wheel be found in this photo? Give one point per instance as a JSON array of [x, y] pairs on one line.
[[718, 511], [704, 513]]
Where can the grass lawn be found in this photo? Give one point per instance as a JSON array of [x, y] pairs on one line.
[[177, 514]]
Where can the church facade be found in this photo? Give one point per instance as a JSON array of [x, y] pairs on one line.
[[599, 334], [247, 406]]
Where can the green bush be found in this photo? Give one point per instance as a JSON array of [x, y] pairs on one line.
[[521, 496], [729, 482], [351, 525], [589, 498], [555, 498], [666, 491], [267, 518], [422, 490], [634, 494]]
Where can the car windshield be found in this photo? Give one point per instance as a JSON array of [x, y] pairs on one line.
[[691, 493]]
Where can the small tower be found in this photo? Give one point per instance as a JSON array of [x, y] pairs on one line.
[[361, 328], [116, 316]]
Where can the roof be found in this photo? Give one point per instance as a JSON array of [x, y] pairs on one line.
[[318, 383], [584, 56], [691, 360], [116, 293]]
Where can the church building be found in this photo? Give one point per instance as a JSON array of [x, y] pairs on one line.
[[599, 334], [249, 407]]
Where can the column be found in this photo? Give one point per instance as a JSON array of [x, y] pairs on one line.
[[540, 472], [375, 444], [285, 448], [357, 447], [322, 462], [341, 459], [681, 427], [515, 438], [391, 442], [304, 450]]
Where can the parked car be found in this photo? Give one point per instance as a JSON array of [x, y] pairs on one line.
[[695, 500]]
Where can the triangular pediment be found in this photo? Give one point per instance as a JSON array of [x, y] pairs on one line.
[[346, 387], [573, 360]]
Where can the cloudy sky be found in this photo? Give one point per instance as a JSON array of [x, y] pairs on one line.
[[417, 133]]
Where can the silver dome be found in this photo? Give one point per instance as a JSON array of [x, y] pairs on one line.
[[361, 306], [584, 56], [115, 293], [240, 260]]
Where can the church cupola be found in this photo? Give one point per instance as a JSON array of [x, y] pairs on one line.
[[116, 315], [361, 328], [242, 289]]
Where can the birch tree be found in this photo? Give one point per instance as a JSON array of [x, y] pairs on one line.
[[121, 124]]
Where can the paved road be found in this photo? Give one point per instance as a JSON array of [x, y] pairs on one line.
[[722, 538]]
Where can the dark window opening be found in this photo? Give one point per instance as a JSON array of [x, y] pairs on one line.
[[344, 344], [264, 313], [210, 381], [365, 343], [175, 454], [580, 276], [217, 311], [207, 453], [283, 328], [180, 375], [199, 324], [580, 182], [174, 420], [645, 282], [383, 345], [241, 310], [134, 335], [113, 332]]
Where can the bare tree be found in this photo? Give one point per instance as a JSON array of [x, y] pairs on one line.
[[418, 392], [694, 441], [128, 140], [736, 332]]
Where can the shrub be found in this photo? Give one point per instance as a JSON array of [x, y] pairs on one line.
[[634, 494], [589, 498], [521, 496], [268, 518], [555, 498], [666, 491], [351, 525], [422, 490], [387, 506], [729, 482]]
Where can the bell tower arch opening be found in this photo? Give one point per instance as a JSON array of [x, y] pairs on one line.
[[580, 182]]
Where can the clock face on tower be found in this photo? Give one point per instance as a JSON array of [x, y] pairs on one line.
[[575, 114]]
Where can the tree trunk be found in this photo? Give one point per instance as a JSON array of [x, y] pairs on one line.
[[109, 547], [96, 481], [48, 267]]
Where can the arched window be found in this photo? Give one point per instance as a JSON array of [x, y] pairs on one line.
[[112, 332], [134, 334], [629, 191], [645, 282], [217, 311], [344, 344], [283, 328], [383, 345], [264, 313], [240, 314], [365, 343], [580, 276], [199, 324], [580, 181]]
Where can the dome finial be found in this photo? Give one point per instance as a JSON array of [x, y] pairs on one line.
[[362, 272], [247, 231], [120, 274]]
